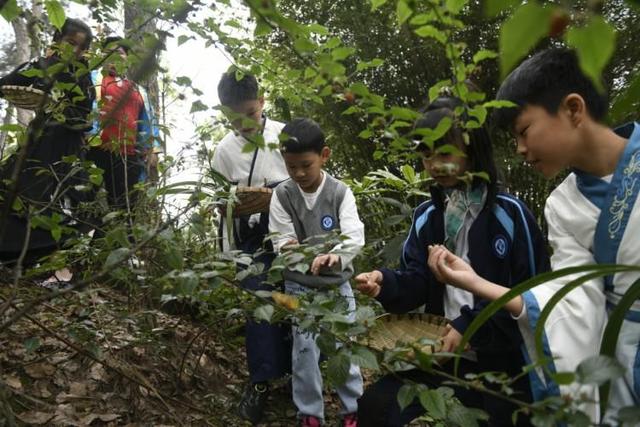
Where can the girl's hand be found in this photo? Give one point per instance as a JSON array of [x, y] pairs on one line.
[[369, 283], [451, 339], [328, 260], [451, 269]]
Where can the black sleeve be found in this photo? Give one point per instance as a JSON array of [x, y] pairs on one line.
[[406, 289]]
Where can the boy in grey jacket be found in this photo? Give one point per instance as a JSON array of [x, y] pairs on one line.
[[307, 208]]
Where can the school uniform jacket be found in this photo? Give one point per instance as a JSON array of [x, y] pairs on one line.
[[506, 246]]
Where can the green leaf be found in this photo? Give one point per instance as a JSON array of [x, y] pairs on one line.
[[55, 12], [455, 6], [483, 54], [10, 10], [262, 28], [375, 4], [374, 63], [197, 106], [338, 369], [563, 378], [264, 312], [364, 358], [403, 11], [303, 44], [431, 31], [594, 43], [520, 33], [340, 53], [499, 104], [598, 370], [115, 257], [318, 29], [494, 7], [182, 39], [629, 415], [406, 394], [365, 134], [31, 344], [433, 402]]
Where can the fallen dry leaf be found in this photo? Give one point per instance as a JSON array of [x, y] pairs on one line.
[[40, 370], [13, 382], [35, 417]]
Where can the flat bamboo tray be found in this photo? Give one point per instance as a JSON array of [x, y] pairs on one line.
[[391, 329], [252, 200], [26, 97]]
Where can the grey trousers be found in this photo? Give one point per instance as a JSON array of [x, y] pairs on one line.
[[307, 379]]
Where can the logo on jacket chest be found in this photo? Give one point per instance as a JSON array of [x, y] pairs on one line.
[[500, 246], [327, 222]]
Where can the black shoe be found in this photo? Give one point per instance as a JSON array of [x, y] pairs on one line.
[[253, 401]]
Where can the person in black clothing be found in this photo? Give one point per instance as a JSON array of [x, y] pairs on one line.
[[496, 233], [44, 183]]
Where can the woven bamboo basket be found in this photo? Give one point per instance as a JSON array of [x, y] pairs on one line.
[[26, 97], [391, 329], [252, 200]]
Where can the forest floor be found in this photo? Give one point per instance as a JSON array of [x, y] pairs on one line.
[[99, 357]]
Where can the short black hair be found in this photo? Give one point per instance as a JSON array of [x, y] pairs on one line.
[[479, 151], [232, 91], [72, 26], [545, 80], [302, 135], [115, 42]]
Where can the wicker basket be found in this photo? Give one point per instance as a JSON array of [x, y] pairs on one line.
[[252, 200], [407, 329], [26, 97]]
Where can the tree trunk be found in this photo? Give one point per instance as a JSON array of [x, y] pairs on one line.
[[23, 55]]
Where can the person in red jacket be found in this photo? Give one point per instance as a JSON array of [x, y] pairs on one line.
[[127, 135]]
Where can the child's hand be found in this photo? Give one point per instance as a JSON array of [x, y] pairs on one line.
[[369, 283], [451, 340], [289, 244], [451, 269], [325, 260]]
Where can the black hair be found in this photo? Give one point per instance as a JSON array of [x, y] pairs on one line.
[[115, 42], [72, 26], [232, 91], [479, 150], [545, 80], [302, 135]]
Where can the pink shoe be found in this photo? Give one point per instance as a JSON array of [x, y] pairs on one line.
[[309, 421], [350, 420]]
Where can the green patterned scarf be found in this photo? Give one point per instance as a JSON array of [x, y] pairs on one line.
[[459, 202]]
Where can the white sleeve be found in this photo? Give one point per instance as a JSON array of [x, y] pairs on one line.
[[351, 227], [573, 331], [280, 222]]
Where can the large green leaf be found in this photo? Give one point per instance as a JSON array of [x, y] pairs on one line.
[[599, 370], [433, 402], [10, 10], [55, 13], [403, 10], [595, 43], [338, 369], [520, 33]]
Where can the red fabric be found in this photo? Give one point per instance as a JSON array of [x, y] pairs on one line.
[[122, 125]]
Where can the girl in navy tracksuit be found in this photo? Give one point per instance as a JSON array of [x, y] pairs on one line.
[[496, 234]]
